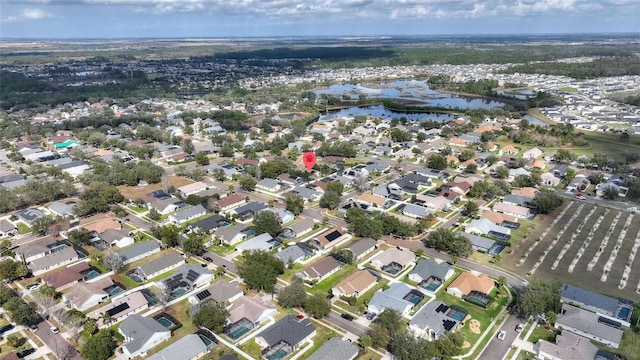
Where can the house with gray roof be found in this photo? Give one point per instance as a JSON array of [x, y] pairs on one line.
[[286, 335], [362, 247], [483, 244], [616, 309], [28, 216], [518, 200], [7, 227], [484, 227], [260, 242], [141, 334], [590, 325], [188, 347], [75, 168], [208, 224], [231, 234], [430, 273], [117, 237], [185, 215], [416, 211], [10, 185], [221, 292], [392, 298], [160, 265], [272, 185], [309, 195], [299, 228], [436, 319], [335, 349], [291, 254], [138, 251], [246, 212], [62, 208], [53, 260], [187, 277], [164, 206]]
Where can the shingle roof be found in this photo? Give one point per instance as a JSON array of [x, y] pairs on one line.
[[161, 263], [138, 249], [427, 268], [186, 348], [289, 329], [220, 291], [335, 349], [361, 246], [292, 253], [582, 296]]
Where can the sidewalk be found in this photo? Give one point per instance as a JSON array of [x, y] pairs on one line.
[[524, 344]]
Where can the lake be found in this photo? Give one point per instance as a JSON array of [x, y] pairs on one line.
[[379, 111], [413, 90]]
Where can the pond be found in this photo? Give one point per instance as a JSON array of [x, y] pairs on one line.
[[412, 90], [379, 111]]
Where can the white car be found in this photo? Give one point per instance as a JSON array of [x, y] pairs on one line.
[[520, 327], [54, 329], [502, 335]]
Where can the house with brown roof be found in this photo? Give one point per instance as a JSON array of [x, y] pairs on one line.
[[355, 284], [467, 282], [102, 225], [525, 191], [497, 217], [251, 308], [329, 238], [393, 258], [508, 150], [320, 269], [119, 309], [228, 203], [370, 199], [83, 296], [66, 276]]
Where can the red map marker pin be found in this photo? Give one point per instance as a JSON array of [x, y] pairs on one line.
[[309, 159]]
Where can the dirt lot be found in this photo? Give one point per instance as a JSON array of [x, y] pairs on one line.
[[135, 192], [580, 274]]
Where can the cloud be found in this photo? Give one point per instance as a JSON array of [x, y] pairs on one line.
[[28, 14]]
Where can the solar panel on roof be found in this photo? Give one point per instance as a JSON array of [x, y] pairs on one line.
[[448, 324], [118, 309], [333, 235], [442, 308], [192, 275], [203, 295]]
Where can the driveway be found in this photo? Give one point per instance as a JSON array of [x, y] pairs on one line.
[[351, 326], [219, 261], [56, 342], [497, 349]]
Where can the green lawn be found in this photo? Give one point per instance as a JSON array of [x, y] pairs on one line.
[[364, 299], [23, 228], [332, 280], [541, 333], [180, 312], [252, 348], [323, 334]]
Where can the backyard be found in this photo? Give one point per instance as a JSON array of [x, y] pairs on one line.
[[586, 245]]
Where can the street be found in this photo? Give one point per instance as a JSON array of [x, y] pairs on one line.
[[56, 342], [496, 348], [219, 261], [351, 326]]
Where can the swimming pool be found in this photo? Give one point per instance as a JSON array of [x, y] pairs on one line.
[[624, 313], [165, 322], [114, 290], [205, 340], [432, 286], [177, 292], [91, 274]]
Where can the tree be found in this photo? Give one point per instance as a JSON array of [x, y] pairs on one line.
[[294, 203], [610, 193], [90, 326], [99, 346], [266, 222], [330, 200], [260, 270], [41, 225], [6, 293], [538, 297], [501, 172], [15, 340], [336, 186], [293, 295], [471, 168], [361, 182], [437, 162], [449, 242], [21, 313], [11, 270], [546, 201], [79, 237], [317, 305], [168, 234], [193, 245], [201, 158], [113, 261], [211, 315], [247, 182], [471, 209], [97, 197], [366, 341], [392, 321], [466, 154], [379, 336], [62, 349]]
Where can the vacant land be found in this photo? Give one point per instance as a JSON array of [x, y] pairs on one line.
[[606, 236], [135, 192]]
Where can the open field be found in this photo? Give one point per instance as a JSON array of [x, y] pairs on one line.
[[134, 192], [606, 237]]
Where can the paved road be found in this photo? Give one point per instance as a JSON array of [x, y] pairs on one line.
[[351, 326], [219, 261], [496, 349], [597, 201], [55, 341]]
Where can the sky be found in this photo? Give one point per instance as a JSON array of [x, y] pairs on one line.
[[73, 19]]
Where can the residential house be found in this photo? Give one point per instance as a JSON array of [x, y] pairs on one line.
[[208, 224], [393, 258], [309, 195], [567, 346], [67, 276], [590, 325], [63, 209], [532, 153], [483, 244], [298, 228], [141, 334], [467, 282], [189, 347], [432, 173], [261, 242], [433, 203], [283, 216], [57, 256], [102, 225], [519, 212], [393, 298], [498, 218], [335, 349], [355, 284], [286, 336], [28, 216], [431, 273], [253, 309], [118, 310], [187, 214], [579, 183], [271, 185], [549, 179], [231, 235], [160, 265], [138, 251], [518, 200], [508, 150], [191, 189], [291, 254], [362, 248], [436, 319], [618, 310], [165, 206], [413, 183], [75, 168], [486, 227], [320, 269], [187, 278], [228, 203], [370, 199], [7, 228], [416, 211], [85, 295], [513, 173], [526, 191], [117, 237], [329, 238], [246, 212], [221, 292]]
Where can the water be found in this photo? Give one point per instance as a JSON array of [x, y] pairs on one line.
[[379, 111], [533, 120], [165, 322], [412, 90]]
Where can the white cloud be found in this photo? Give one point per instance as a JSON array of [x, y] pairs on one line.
[[28, 14]]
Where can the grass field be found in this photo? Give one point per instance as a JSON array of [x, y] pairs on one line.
[[581, 275], [134, 192]]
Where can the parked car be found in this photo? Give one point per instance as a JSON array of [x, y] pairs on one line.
[[5, 328], [33, 287], [33, 327], [54, 329], [580, 196], [347, 316], [520, 327], [502, 335], [206, 258]]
